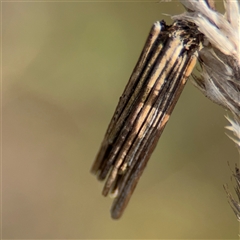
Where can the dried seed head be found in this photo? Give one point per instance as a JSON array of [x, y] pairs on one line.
[[220, 62], [220, 55]]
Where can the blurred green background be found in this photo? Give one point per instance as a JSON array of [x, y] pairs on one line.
[[65, 65]]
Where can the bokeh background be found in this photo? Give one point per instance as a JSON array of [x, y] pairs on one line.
[[65, 65]]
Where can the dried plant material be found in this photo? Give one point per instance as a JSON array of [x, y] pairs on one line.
[[220, 62], [220, 56], [235, 205], [235, 128]]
